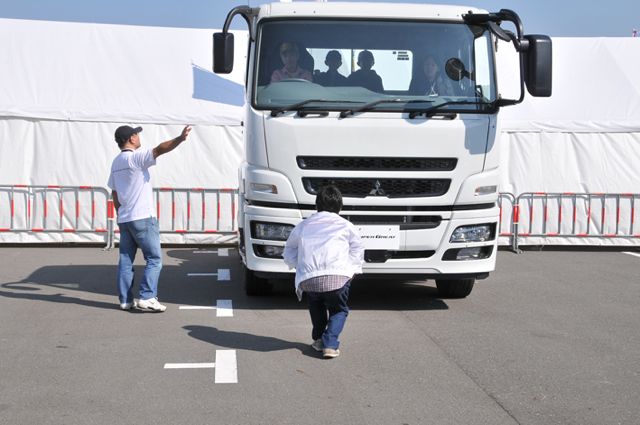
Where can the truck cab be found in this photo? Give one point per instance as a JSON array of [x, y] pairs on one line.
[[396, 105]]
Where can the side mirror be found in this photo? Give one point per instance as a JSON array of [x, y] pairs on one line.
[[537, 65], [222, 52], [455, 69]]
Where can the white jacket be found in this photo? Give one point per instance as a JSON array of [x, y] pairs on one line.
[[324, 244]]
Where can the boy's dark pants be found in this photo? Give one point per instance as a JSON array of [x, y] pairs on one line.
[[329, 312]]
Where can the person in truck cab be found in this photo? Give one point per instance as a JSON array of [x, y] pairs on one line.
[[365, 76], [289, 55]]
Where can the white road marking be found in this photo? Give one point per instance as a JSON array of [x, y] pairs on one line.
[[196, 307], [226, 367], [222, 252], [189, 365], [635, 254], [224, 274], [224, 308]]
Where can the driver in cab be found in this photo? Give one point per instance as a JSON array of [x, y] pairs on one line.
[[289, 55]]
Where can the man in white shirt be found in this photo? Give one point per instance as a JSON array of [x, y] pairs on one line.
[[132, 193], [326, 251]]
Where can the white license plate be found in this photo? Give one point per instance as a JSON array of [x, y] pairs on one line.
[[380, 237]]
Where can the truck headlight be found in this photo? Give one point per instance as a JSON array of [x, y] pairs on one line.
[[473, 233], [270, 231]]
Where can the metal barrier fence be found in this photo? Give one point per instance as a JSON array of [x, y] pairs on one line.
[[569, 215], [90, 210], [191, 211], [57, 209], [180, 211]]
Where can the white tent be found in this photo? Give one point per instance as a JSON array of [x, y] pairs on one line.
[[583, 139], [65, 87]]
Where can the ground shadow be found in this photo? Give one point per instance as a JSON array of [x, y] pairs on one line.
[[60, 282], [245, 341]]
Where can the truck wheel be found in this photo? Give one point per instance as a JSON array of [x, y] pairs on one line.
[[254, 285], [455, 288]]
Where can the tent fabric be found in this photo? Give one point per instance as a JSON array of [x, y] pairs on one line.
[[596, 88], [113, 73], [66, 87]]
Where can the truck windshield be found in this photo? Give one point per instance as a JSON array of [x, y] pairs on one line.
[[386, 66]]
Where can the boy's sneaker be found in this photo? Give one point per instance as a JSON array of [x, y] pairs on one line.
[[151, 304], [317, 345], [126, 306], [330, 353]]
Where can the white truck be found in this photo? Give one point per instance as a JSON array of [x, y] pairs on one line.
[[416, 159]]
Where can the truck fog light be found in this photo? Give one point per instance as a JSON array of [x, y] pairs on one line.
[[264, 188], [268, 251], [485, 190], [469, 253], [464, 254], [270, 231], [475, 233]]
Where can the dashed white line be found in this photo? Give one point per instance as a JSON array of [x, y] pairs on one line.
[[223, 274], [196, 307], [226, 367], [189, 365], [635, 254], [224, 308], [222, 252]]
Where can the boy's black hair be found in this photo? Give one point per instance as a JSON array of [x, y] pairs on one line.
[[329, 199]]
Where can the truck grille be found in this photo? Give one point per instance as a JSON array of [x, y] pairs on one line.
[[406, 222], [390, 188], [355, 163]]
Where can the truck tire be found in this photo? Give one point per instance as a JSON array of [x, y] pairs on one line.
[[254, 285], [455, 288]]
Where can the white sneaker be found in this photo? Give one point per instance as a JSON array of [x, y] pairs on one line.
[[151, 304], [330, 353], [126, 306]]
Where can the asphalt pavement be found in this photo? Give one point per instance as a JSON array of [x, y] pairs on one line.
[[551, 337]]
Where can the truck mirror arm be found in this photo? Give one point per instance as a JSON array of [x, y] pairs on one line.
[[521, 44], [247, 12]]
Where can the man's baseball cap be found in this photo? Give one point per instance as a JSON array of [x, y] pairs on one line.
[[123, 133]]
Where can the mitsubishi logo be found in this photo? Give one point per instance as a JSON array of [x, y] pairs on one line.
[[377, 190]]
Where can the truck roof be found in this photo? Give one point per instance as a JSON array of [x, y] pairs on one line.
[[365, 10]]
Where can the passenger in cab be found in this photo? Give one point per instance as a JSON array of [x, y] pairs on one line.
[[331, 78], [429, 81], [289, 55], [365, 76]]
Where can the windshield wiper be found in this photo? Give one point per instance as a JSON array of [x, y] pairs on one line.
[[429, 112], [370, 105], [294, 107], [299, 105]]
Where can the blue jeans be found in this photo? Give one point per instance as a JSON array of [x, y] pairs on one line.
[[143, 234], [329, 312]]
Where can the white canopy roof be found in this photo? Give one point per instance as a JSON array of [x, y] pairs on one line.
[[115, 73]]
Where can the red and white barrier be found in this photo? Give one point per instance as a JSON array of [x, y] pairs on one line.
[[611, 218]]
